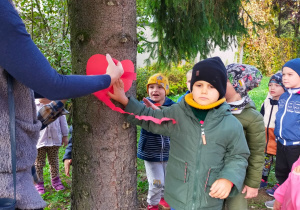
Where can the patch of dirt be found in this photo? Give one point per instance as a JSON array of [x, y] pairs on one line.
[[257, 203]]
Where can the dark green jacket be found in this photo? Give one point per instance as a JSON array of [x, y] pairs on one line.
[[193, 167], [254, 129]]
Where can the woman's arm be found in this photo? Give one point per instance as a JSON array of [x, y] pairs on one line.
[[24, 61]]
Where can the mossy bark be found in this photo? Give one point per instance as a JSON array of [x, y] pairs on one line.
[[104, 151]]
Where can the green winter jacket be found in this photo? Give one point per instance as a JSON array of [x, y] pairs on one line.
[[193, 167], [254, 129]]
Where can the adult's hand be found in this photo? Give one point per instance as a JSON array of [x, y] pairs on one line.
[[113, 70]]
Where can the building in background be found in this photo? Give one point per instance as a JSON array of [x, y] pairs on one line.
[[228, 56]]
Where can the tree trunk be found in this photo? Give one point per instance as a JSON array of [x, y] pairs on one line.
[[104, 148]]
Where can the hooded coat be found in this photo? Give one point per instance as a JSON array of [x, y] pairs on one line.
[[193, 166]]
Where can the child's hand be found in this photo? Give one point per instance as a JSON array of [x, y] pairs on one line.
[[297, 170], [64, 141], [67, 163], [250, 192], [113, 70], [119, 94], [277, 205], [220, 188], [149, 104]]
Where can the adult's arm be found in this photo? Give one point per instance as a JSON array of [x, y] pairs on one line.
[[23, 60]]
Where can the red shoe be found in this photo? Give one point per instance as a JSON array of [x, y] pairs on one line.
[[163, 204], [150, 207]]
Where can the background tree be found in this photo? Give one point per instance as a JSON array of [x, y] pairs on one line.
[[184, 28], [288, 17], [104, 148], [47, 22], [262, 47]]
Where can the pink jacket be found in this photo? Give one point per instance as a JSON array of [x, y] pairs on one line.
[[288, 194]]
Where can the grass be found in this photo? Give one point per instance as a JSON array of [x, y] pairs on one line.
[[259, 94], [62, 200]]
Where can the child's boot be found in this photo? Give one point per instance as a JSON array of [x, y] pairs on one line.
[[163, 205], [150, 207], [56, 184], [40, 187]]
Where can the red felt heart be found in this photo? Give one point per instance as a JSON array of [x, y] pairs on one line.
[[97, 65]]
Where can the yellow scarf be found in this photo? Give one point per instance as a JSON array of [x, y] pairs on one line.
[[190, 101]]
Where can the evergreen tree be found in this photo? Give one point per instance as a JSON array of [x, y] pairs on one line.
[[185, 27]]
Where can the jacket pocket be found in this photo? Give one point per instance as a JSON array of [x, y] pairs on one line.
[[177, 177], [211, 176]]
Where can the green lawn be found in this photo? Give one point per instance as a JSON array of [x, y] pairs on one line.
[[61, 200]]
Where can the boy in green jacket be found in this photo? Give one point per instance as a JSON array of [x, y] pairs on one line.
[[208, 152], [241, 79]]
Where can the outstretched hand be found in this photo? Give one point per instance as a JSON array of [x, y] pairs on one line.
[[119, 93], [113, 70], [149, 104]]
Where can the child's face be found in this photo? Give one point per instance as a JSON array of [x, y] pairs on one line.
[[157, 93], [204, 93], [290, 78], [230, 94], [275, 90], [188, 81]]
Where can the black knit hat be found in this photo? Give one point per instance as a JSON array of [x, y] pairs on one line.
[[211, 70]]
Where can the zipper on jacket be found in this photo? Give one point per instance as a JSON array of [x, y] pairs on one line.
[[196, 172], [281, 119], [202, 132]]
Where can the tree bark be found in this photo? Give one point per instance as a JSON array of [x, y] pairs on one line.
[[104, 146]]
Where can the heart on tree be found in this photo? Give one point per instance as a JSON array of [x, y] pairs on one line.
[[97, 65]]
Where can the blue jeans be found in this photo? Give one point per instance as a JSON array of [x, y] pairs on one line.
[[172, 208]]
